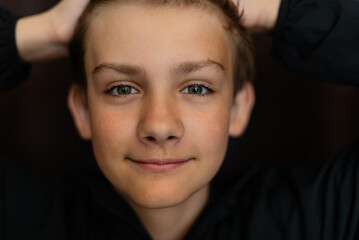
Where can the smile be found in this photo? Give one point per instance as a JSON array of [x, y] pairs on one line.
[[159, 165]]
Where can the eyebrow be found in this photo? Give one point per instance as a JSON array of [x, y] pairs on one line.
[[190, 67], [120, 68], [182, 68]]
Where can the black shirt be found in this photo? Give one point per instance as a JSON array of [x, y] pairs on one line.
[[316, 37]]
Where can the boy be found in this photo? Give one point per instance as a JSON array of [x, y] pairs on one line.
[[158, 103], [160, 100]]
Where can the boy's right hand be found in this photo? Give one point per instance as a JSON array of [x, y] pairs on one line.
[[46, 35]]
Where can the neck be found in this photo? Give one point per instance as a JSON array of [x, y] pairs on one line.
[[172, 223]]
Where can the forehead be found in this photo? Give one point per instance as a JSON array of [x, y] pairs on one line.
[[155, 37]]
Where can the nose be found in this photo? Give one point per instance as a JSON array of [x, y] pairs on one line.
[[160, 122]]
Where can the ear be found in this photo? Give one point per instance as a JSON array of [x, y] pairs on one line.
[[77, 103], [241, 110]]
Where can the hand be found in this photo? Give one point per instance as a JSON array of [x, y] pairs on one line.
[[46, 35], [63, 18], [259, 15]]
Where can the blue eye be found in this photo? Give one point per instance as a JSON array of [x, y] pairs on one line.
[[197, 89], [121, 90]]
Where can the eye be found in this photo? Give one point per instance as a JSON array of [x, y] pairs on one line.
[[121, 90], [197, 89]]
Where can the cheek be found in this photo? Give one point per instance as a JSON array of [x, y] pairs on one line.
[[209, 131], [112, 130]]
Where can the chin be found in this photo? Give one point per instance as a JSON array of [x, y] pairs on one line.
[[154, 190], [157, 198]]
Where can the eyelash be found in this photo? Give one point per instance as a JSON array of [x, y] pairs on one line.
[[111, 89], [205, 86]]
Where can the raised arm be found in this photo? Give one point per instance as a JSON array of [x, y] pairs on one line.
[[318, 38], [12, 69], [35, 38]]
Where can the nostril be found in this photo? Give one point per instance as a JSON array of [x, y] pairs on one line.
[[151, 139]]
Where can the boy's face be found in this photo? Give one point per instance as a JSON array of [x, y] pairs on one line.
[[159, 100]]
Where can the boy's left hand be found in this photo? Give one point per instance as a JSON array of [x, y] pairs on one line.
[[259, 15]]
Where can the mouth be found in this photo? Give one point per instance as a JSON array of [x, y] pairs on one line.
[[160, 165]]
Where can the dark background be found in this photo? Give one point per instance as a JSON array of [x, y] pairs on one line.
[[296, 120]]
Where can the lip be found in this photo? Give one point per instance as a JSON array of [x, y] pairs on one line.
[[160, 165]]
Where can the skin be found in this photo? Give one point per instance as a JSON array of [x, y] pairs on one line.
[[159, 119], [259, 15], [45, 36]]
